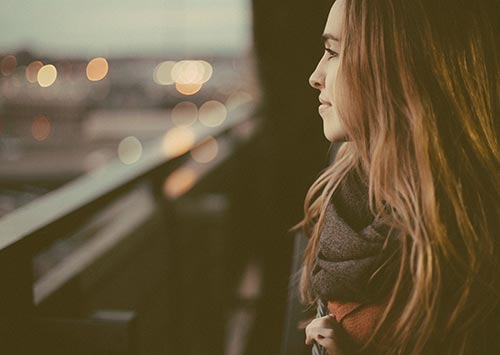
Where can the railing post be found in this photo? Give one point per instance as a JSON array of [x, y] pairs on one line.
[[16, 300]]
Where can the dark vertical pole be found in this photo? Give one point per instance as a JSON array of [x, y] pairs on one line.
[[293, 148], [16, 300]]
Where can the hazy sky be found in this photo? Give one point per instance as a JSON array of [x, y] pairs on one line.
[[125, 27]]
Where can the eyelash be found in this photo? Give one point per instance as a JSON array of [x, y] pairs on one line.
[[331, 53]]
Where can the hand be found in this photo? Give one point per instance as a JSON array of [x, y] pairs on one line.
[[325, 332]]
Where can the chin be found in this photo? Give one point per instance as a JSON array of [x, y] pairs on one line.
[[336, 138], [332, 127], [335, 134]]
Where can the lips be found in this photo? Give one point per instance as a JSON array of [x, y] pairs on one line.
[[323, 107], [324, 102]]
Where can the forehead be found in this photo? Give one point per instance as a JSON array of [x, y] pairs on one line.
[[335, 19]]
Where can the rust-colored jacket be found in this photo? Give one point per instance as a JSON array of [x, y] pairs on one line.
[[357, 319]]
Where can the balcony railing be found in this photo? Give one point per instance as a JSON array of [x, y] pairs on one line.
[[97, 266]]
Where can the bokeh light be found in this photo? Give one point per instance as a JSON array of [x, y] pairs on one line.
[[188, 89], [40, 128], [97, 69], [206, 152], [47, 75], [8, 64], [179, 182], [192, 72], [190, 75], [163, 73], [129, 150], [188, 72], [208, 71], [32, 71], [212, 113], [177, 141], [184, 114]]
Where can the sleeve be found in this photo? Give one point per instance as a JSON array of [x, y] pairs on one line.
[[358, 320]]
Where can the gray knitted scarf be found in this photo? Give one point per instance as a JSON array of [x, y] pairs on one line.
[[351, 248]]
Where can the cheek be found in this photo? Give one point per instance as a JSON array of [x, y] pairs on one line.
[[339, 87], [332, 82]]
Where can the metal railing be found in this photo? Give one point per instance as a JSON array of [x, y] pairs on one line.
[[76, 231]]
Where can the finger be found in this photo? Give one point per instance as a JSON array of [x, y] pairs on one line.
[[325, 333], [315, 333], [311, 334], [324, 322], [323, 326], [308, 335], [310, 339], [331, 346], [326, 342]]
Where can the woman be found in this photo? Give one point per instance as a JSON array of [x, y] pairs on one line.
[[403, 227]]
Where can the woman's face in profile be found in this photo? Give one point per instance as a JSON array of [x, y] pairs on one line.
[[324, 76]]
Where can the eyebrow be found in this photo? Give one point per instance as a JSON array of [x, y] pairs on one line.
[[327, 36]]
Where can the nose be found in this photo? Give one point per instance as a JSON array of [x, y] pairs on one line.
[[316, 79]]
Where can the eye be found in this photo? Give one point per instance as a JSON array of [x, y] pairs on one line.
[[331, 53]]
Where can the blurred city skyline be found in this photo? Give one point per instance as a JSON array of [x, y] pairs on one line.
[[132, 28]]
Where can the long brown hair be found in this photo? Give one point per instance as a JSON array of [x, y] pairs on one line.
[[419, 96]]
